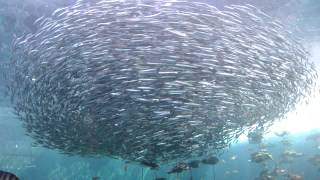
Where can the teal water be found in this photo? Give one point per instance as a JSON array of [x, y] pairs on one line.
[[19, 155]]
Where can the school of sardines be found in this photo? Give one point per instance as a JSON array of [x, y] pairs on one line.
[[154, 81]]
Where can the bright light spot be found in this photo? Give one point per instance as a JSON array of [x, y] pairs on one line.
[[306, 117]]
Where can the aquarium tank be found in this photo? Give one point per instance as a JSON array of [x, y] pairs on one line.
[[159, 90]]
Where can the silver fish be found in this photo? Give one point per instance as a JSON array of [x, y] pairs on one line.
[[154, 81]]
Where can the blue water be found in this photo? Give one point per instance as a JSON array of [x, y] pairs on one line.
[[19, 155], [38, 163]]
